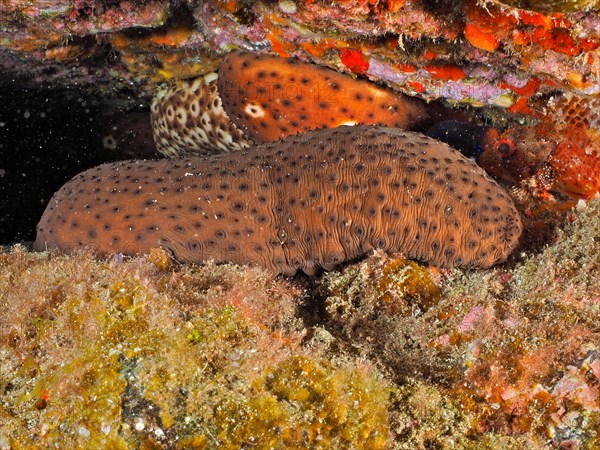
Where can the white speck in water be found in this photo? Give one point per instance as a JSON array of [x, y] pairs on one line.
[[109, 142], [26, 114], [105, 428], [83, 432]]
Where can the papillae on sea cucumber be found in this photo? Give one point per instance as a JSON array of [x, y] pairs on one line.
[[310, 201]]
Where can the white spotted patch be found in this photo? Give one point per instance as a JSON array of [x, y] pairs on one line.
[[170, 113], [254, 111], [195, 108], [188, 120], [181, 115]]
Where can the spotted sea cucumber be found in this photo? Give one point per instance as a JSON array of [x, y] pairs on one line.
[[271, 98], [263, 98], [310, 201]]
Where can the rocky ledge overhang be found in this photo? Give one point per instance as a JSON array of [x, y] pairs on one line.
[[464, 51]]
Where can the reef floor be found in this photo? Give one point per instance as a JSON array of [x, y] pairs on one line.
[[122, 353]]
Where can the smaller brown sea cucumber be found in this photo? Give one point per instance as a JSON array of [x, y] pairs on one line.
[[264, 98], [271, 98], [310, 201]]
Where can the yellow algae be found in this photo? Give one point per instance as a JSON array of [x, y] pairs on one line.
[[407, 281], [160, 258], [124, 354]]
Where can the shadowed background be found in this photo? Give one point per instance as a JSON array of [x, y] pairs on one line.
[[46, 137]]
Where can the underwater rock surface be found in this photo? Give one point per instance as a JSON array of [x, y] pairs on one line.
[[382, 354], [461, 50]]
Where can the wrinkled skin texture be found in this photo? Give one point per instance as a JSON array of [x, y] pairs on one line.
[[308, 202]]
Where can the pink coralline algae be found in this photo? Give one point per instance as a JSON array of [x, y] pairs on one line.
[[403, 44]]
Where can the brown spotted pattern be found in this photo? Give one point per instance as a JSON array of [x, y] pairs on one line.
[[310, 201], [270, 98], [188, 120]]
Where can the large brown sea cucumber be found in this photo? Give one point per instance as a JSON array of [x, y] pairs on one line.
[[309, 201]]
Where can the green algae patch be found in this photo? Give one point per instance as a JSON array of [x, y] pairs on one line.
[[110, 354]]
